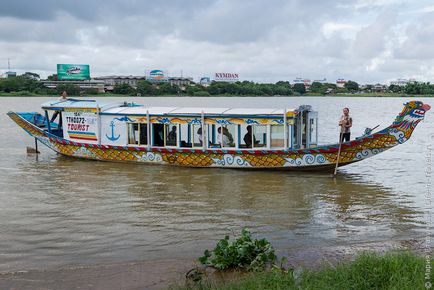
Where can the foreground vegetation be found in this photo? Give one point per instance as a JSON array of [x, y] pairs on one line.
[[242, 253], [395, 270], [252, 265], [27, 85]]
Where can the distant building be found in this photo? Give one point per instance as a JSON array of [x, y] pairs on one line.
[[93, 84], [340, 83], [205, 81], [402, 82], [10, 74], [180, 81], [379, 88], [307, 82], [111, 81], [323, 81]]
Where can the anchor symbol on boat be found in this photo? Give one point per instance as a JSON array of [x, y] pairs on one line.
[[112, 137]]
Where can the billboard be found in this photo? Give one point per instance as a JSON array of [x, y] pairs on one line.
[[76, 72], [157, 75], [226, 77]]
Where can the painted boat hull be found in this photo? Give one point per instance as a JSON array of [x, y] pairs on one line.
[[321, 158]]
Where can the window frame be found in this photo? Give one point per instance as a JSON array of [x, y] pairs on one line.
[[177, 145], [138, 134]]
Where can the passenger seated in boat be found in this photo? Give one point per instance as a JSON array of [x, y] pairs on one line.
[[248, 137], [199, 132], [222, 137], [230, 137], [171, 137]]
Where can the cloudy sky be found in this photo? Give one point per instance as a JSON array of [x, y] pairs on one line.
[[266, 41]]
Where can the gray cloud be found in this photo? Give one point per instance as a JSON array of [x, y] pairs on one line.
[[261, 40], [419, 43], [371, 40]]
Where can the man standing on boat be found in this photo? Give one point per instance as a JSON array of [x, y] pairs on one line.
[[346, 122]]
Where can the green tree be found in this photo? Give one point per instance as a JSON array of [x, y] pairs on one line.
[[395, 89], [316, 87], [299, 88], [124, 89], [71, 89], [351, 86], [145, 88], [30, 75], [52, 77], [168, 89], [20, 83]]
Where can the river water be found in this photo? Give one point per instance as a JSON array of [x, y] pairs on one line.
[[59, 212]]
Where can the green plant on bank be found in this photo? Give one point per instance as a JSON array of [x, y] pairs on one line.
[[368, 271], [243, 253]]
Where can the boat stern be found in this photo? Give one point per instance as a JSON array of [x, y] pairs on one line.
[[31, 122]]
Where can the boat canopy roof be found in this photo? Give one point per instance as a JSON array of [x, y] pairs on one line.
[[124, 108], [72, 103], [182, 111]]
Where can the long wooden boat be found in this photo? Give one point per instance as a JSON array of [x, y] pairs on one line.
[[284, 139]]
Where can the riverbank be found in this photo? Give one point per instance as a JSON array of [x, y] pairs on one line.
[[367, 95], [134, 275], [395, 270], [163, 274]]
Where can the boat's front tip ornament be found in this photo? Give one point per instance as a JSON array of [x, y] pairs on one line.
[[404, 124]]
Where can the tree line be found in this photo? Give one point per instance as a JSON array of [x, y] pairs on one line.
[[28, 84]]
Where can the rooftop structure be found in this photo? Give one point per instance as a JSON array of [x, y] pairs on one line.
[[94, 84], [402, 82], [111, 81], [340, 83]]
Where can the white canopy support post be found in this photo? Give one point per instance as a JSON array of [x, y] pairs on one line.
[[98, 110], [204, 136], [148, 129], [285, 130]]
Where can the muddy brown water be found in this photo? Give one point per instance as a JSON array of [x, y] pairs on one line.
[[62, 212]]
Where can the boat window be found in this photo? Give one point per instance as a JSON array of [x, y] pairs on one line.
[[158, 135], [294, 134], [313, 131], [171, 134], [185, 134], [143, 133], [133, 133], [245, 138], [226, 135], [304, 130], [277, 136], [253, 136], [259, 136], [212, 136], [289, 134], [137, 134], [197, 135]]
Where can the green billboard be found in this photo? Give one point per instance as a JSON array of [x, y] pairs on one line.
[[66, 72]]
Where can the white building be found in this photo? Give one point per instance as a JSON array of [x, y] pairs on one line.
[[340, 83], [402, 82]]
